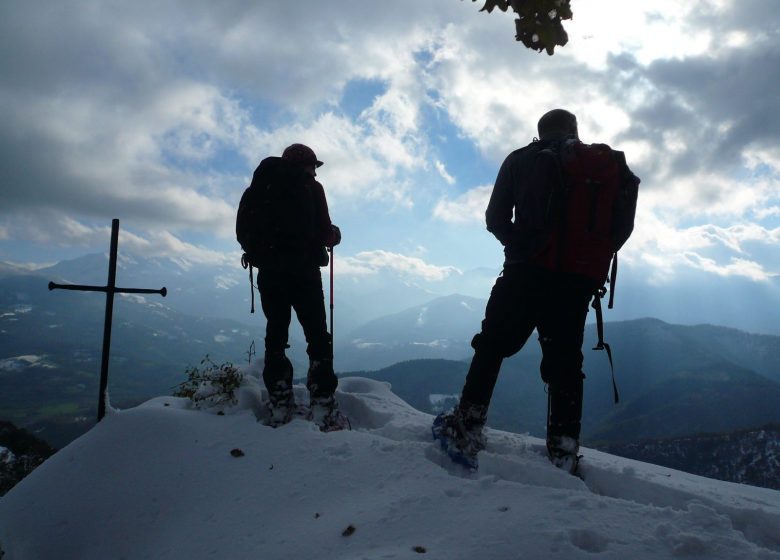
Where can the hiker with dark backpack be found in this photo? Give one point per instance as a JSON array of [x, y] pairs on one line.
[[573, 206], [284, 227]]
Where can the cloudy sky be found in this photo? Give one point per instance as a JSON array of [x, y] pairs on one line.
[[157, 113]]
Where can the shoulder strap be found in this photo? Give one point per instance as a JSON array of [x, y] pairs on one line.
[[601, 345], [555, 210], [612, 281]]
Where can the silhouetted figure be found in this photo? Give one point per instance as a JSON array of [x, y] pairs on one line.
[[284, 226], [573, 206]]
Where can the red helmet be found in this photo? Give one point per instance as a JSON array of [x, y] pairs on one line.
[[301, 154]]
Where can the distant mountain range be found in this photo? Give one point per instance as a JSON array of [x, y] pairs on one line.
[[440, 328], [674, 380], [716, 402], [744, 456], [222, 291], [50, 349]]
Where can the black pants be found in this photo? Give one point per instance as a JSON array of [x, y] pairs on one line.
[[284, 287], [525, 298]]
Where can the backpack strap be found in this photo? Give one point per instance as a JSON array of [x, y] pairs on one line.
[[556, 203], [612, 281], [601, 345], [246, 264]]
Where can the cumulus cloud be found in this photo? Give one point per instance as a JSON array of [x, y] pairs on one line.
[[737, 267], [604, 28], [768, 212], [161, 243], [157, 113], [154, 150], [662, 247], [358, 164], [135, 112], [468, 208], [442, 170], [63, 231], [710, 116], [138, 161], [694, 114], [372, 262]]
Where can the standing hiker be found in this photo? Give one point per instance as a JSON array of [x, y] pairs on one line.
[[283, 226], [573, 206]]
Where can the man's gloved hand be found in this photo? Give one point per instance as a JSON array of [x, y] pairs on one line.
[[336, 239]]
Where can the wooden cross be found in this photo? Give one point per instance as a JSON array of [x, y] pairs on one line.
[[110, 289]]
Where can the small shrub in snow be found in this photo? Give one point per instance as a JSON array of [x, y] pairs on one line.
[[210, 385]]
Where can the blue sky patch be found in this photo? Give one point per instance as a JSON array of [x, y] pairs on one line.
[[359, 95]]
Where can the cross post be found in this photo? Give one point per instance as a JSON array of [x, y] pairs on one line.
[[110, 289]]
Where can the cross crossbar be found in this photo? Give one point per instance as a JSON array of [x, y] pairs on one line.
[[109, 289], [81, 288]]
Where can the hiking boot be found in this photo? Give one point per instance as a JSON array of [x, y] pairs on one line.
[[324, 411], [460, 432], [562, 451], [320, 379], [280, 413], [281, 405], [277, 372]]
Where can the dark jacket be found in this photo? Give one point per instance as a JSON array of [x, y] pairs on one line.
[[517, 213], [325, 234]]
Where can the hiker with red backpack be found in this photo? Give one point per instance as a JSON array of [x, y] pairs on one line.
[[573, 206], [284, 227]]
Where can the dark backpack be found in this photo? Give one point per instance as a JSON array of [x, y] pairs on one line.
[[276, 216], [591, 201]]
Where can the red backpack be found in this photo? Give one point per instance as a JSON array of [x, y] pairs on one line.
[[582, 209]]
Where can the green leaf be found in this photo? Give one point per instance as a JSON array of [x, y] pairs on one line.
[[490, 5], [539, 23]]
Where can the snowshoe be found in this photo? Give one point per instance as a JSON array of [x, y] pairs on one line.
[[324, 411], [443, 434], [279, 414], [562, 451], [459, 432], [282, 408]]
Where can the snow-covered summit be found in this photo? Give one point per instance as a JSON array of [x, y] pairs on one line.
[[164, 480]]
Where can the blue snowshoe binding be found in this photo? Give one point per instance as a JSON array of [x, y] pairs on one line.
[[459, 432]]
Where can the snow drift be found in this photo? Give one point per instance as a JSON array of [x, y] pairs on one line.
[[164, 480]]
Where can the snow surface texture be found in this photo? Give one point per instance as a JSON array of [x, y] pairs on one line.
[[164, 480]]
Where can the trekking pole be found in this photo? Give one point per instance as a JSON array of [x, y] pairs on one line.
[[331, 303], [331, 295]]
